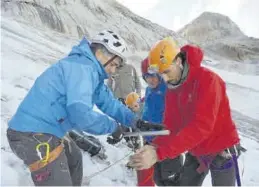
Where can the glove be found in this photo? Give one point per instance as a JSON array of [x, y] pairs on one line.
[[89, 144], [129, 129], [147, 126], [116, 136], [122, 100]]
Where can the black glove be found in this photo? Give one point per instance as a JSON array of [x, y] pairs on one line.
[[116, 136], [128, 129], [147, 126], [122, 100], [89, 144]]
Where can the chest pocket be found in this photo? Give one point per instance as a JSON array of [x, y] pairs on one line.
[[187, 100]]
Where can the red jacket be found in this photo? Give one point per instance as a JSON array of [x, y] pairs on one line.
[[197, 113]]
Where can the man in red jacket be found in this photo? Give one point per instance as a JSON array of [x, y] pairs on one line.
[[197, 113]]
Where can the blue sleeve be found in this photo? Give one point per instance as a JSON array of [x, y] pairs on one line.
[[107, 103], [80, 81], [145, 110]]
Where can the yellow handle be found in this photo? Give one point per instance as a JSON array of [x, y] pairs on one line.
[[47, 150]]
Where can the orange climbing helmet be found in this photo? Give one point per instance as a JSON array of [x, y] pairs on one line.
[[162, 55], [132, 98]]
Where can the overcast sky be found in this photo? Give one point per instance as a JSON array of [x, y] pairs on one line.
[[174, 14]]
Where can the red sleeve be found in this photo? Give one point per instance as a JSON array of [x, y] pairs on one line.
[[209, 97]]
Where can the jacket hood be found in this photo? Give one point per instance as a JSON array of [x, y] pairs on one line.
[[194, 55], [84, 49]]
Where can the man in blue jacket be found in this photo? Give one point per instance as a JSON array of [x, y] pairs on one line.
[[61, 100]]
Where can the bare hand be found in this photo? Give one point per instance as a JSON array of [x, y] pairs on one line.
[[144, 158]]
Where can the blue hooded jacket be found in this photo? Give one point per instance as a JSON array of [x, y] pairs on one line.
[[62, 99], [154, 105]]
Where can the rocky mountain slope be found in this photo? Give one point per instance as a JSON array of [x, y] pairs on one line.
[[86, 17], [220, 36]]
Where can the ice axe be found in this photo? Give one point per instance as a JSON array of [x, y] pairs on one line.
[[145, 128], [142, 134]]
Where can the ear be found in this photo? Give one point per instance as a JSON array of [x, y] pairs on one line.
[[179, 62], [99, 56], [98, 53]]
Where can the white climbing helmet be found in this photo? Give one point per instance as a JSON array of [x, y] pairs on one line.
[[113, 42]]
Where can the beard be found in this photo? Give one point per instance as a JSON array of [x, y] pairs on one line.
[[173, 84]]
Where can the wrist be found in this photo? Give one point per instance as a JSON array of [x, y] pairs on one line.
[[157, 150]]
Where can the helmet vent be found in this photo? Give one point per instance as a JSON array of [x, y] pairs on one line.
[[117, 44], [106, 40], [115, 36]]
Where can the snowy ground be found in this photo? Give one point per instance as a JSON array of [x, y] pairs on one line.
[[27, 51]]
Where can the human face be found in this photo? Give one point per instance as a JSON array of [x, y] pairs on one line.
[[135, 107], [104, 57], [112, 67], [152, 81], [173, 72]]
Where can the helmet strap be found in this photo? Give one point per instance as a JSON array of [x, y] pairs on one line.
[[109, 61]]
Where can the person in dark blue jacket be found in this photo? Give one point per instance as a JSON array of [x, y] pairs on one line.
[[154, 96], [153, 112], [62, 99]]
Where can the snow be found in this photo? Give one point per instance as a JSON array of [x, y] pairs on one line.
[[86, 17], [19, 70], [242, 89], [27, 52]]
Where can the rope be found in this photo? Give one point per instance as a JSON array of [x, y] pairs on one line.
[[104, 169]]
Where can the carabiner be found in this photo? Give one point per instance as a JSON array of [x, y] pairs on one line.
[[47, 151]]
